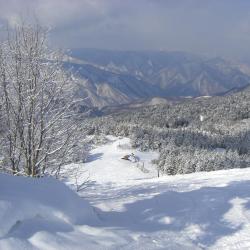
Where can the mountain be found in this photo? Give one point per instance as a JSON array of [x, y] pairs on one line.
[[99, 87], [110, 78], [199, 78]]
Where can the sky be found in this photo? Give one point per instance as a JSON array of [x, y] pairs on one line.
[[210, 27]]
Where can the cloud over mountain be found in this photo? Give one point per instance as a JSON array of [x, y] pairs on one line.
[[207, 26]]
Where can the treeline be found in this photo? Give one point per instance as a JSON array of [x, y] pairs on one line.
[[202, 134]]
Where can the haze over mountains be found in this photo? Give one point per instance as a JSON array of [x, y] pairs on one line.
[[111, 78]]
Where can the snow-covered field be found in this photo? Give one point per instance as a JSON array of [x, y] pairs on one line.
[[104, 164], [122, 207]]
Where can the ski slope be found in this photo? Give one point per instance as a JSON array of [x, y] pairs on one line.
[[125, 208], [104, 164]]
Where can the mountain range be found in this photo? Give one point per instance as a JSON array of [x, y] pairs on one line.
[[112, 78]]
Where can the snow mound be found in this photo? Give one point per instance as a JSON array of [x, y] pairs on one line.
[[30, 205]]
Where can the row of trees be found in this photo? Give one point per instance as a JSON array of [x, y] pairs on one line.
[[184, 160], [39, 129]]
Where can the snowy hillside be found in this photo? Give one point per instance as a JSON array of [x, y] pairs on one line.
[[131, 208]]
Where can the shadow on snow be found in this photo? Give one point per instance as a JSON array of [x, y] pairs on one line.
[[204, 207], [94, 157]]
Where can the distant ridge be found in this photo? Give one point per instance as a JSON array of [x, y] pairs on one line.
[[111, 78]]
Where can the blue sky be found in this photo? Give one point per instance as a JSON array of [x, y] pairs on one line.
[[213, 27]]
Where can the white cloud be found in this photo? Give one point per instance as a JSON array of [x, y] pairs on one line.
[[207, 26]]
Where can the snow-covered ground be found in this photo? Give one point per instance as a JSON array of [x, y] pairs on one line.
[[131, 209], [104, 164]]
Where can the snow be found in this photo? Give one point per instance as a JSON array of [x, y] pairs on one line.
[[104, 165], [35, 209], [131, 209], [220, 150]]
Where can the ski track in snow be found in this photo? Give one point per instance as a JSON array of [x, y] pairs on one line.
[[133, 209]]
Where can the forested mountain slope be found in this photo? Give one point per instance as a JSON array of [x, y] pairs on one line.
[[200, 134]]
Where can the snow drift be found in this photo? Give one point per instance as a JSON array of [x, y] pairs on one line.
[[39, 204]]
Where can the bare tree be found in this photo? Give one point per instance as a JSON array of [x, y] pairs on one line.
[[38, 132]]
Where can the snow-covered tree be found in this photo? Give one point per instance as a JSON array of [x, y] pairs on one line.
[[38, 127]]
